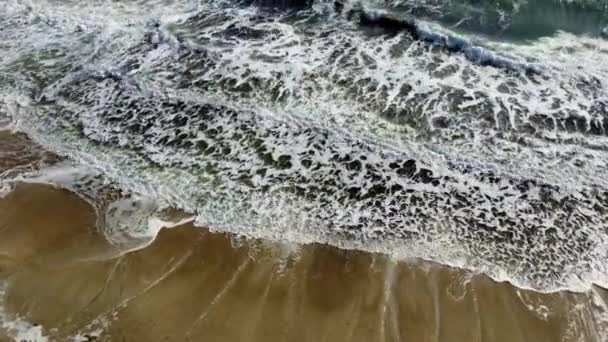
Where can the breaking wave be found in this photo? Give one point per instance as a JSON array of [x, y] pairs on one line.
[[377, 126]]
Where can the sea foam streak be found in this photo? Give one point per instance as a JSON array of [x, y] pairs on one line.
[[303, 127], [18, 328]]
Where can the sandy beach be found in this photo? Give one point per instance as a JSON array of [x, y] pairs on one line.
[[61, 278], [304, 171]]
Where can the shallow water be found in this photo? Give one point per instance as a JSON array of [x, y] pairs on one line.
[[470, 134], [308, 126], [67, 282]]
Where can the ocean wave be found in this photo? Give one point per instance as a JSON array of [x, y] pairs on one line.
[[302, 127], [514, 20]]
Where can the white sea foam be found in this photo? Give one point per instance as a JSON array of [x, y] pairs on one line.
[[128, 222], [262, 99], [5, 189], [18, 328]]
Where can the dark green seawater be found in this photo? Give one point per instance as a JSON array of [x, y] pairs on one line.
[[514, 19]]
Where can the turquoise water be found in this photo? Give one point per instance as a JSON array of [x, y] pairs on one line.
[[513, 20]]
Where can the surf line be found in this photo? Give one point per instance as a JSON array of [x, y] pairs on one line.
[[390, 24]]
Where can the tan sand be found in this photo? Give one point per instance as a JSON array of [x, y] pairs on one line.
[[193, 285], [60, 277]]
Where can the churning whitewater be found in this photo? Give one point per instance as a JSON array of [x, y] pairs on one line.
[[453, 131]]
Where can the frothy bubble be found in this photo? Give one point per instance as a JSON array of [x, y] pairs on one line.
[[18, 328], [304, 127]]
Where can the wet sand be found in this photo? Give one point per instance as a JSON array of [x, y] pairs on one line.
[[194, 285], [61, 280]]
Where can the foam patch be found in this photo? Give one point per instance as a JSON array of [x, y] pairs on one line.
[[303, 127]]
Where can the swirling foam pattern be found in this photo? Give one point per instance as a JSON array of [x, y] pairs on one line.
[[307, 126]]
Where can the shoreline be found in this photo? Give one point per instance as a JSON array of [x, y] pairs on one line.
[[22, 155], [194, 273], [328, 171], [174, 218]]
